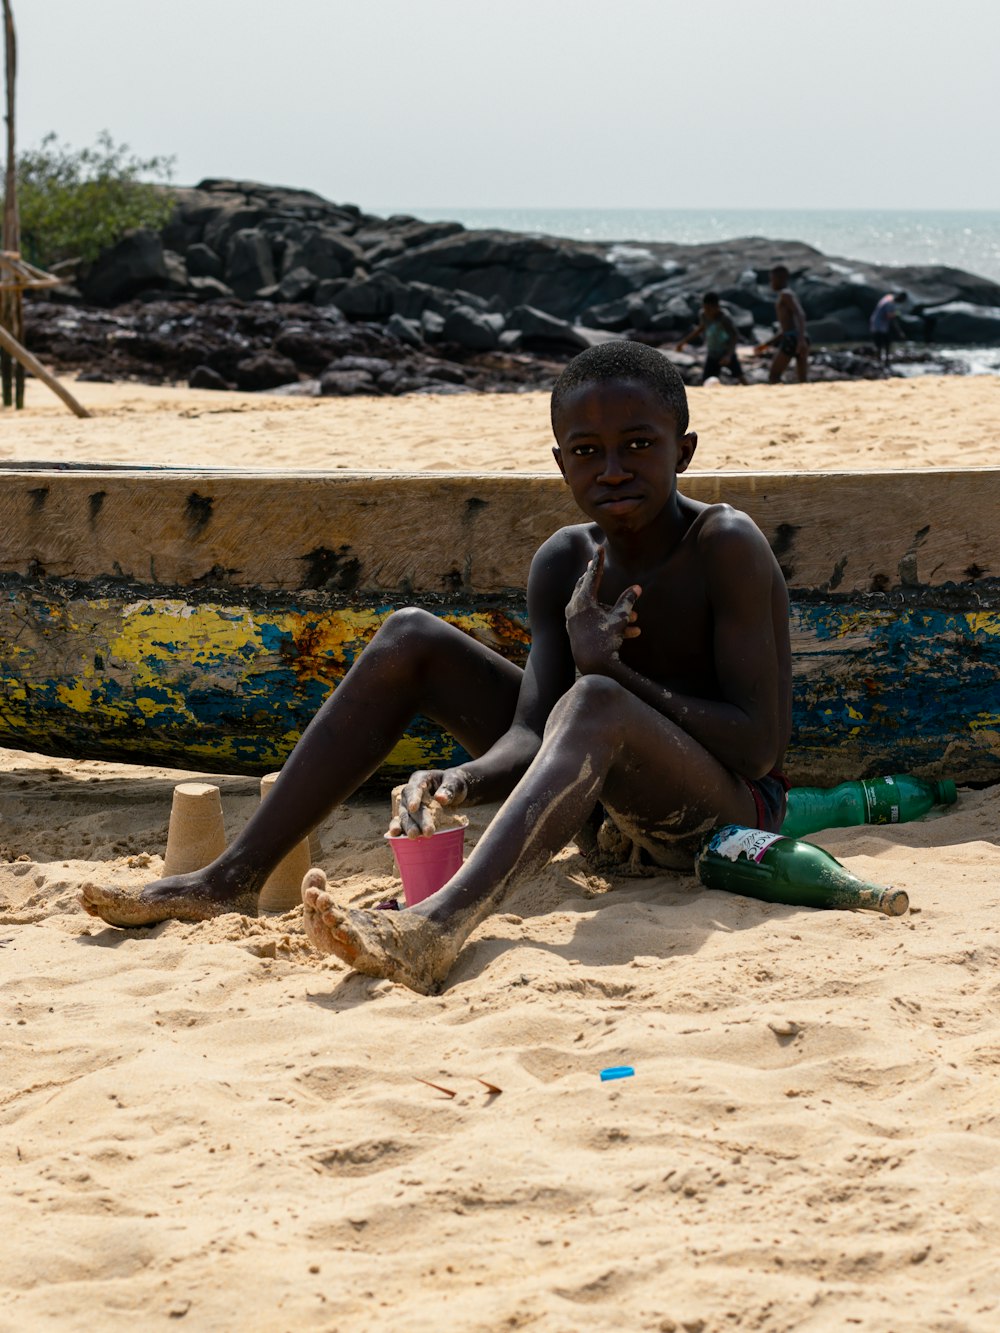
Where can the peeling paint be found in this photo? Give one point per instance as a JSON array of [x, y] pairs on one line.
[[211, 683]]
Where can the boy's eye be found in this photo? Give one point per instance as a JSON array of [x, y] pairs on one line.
[[639, 444], [582, 450]]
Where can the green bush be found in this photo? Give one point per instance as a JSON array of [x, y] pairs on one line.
[[75, 201]]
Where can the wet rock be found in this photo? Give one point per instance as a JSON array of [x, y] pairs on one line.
[[964, 322]]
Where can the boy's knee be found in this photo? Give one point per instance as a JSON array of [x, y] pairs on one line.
[[410, 623], [591, 701], [598, 691]]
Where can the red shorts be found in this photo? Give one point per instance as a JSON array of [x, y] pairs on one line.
[[769, 793]]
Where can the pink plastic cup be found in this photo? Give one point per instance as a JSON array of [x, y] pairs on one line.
[[427, 864]]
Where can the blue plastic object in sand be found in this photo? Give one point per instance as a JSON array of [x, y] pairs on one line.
[[616, 1071]]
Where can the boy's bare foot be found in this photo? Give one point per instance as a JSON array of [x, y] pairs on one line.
[[402, 946], [179, 898]]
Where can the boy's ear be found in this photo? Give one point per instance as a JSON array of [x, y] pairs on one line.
[[557, 455], [686, 446]]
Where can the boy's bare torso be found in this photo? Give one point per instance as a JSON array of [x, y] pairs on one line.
[[676, 648], [789, 311]]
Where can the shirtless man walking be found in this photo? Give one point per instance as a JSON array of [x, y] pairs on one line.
[[657, 687], [791, 339]]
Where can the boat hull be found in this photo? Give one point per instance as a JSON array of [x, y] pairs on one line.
[[199, 620]]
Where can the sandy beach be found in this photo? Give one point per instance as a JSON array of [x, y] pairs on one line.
[[212, 1125]]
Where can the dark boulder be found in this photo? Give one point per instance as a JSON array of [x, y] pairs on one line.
[[177, 271], [398, 234], [963, 322], [758, 302], [408, 331], [432, 324], [327, 291], [659, 310], [227, 221], [472, 329], [852, 320], [373, 298], [371, 365], [203, 262], [249, 265], [265, 370], [345, 383], [822, 297], [614, 316], [323, 251], [539, 332], [311, 349], [204, 377], [297, 285], [398, 380], [125, 269], [210, 289], [560, 277]]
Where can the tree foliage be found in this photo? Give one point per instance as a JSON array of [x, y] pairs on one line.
[[75, 201]]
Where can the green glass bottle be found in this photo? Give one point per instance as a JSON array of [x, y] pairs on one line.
[[891, 800], [784, 870]]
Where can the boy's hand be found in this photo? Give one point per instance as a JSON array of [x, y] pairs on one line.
[[596, 632], [413, 816]]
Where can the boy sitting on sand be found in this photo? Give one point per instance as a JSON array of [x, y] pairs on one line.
[[658, 687]]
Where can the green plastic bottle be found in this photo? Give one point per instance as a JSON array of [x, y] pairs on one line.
[[892, 800], [784, 870]]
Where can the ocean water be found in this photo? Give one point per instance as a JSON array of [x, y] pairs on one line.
[[967, 240]]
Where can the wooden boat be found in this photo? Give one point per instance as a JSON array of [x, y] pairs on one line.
[[197, 619]]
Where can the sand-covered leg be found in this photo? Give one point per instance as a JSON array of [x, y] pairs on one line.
[[402, 946]]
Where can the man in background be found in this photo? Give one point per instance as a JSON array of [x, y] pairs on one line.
[[791, 341], [884, 323]]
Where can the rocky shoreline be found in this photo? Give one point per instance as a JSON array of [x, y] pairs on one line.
[[255, 287]]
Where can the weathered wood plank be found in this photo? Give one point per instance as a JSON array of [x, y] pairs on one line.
[[445, 533]]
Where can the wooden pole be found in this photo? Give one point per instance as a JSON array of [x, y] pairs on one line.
[[21, 354], [12, 308]]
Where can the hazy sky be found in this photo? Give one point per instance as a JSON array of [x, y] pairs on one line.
[[554, 103]]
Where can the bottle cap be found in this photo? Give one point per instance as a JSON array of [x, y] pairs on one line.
[[616, 1071], [947, 792]]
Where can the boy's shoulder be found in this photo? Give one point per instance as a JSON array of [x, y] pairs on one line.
[[723, 531], [569, 542]]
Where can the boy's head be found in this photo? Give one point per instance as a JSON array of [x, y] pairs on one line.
[[624, 361], [710, 302], [620, 418], [779, 277]]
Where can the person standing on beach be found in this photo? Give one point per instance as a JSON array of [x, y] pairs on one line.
[[791, 341], [657, 693], [721, 338], [884, 323]]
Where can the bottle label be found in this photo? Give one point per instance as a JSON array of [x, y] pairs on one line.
[[876, 809], [734, 840]]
